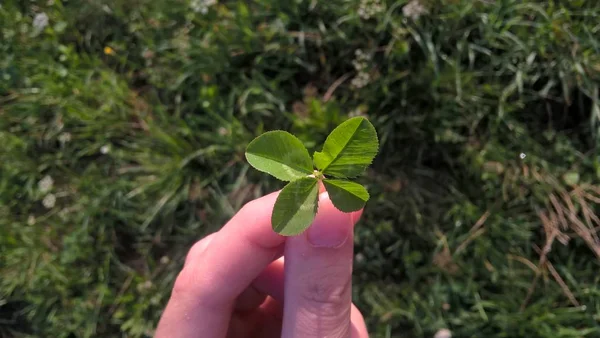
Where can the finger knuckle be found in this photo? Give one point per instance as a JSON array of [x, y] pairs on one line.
[[185, 282], [327, 293], [192, 284], [197, 250], [249, 207], [325, 309]]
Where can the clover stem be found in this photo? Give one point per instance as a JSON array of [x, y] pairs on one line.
[[318, 175]]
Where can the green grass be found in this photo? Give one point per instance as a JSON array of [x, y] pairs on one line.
[[144, 142]]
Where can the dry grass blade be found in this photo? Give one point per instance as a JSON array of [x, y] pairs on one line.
[[525, 261], [562, 284], [329, 93], [586, 233], [559, 210], [474, 232], [560, 281], [469, 239], [551, 231]]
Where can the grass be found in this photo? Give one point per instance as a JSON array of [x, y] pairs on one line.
[[139, 112]]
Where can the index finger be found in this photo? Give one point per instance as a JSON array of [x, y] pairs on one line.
[[207, 287]]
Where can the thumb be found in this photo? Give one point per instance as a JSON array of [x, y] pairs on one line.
[[318, 276]]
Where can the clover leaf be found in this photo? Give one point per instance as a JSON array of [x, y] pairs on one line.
[[349, 149], [295, 207], [280, 154], [347, 152], [345, 195]]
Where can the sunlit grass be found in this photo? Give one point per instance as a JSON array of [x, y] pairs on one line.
[[139, 113]]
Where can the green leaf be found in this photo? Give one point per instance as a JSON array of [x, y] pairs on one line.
[[349, 149], [295, 207], [280, 154], [571, 178], [345, 195]]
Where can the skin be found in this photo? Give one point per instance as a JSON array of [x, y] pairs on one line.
[[247, 281]]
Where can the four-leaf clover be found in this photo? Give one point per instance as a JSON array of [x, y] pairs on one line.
[[347, 152]]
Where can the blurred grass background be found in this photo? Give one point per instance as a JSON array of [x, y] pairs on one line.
[[123, 125]]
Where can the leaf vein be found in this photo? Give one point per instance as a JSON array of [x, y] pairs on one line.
[[344, 147]]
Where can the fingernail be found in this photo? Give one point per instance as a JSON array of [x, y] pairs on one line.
[[331, 227]]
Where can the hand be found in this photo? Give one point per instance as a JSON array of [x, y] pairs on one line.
[[235, 282]]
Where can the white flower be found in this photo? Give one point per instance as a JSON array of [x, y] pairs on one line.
[[202, 6], [30, 120], [105, 149], [361, 60], [63, 213], [40, 21], [31, 220], [64, 137], [360, 80], [45, 184], [144, 286], [443, 333], [414, 10], [223, 131], [361, 63], [522, 156], [369, 8], [49, 201]]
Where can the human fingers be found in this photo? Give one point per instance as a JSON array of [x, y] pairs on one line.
[[269, 282], [264, 321], [206, 289], [270, 285], [197, 249], [359, 328], [318, 271]]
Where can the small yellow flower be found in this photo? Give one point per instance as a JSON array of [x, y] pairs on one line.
[[109, 51]]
